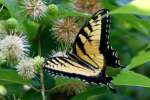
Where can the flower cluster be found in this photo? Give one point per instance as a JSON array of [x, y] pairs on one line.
[[34, 8], [14, 47], [25, 68], [14, 50], [28, 67], [66, 29]]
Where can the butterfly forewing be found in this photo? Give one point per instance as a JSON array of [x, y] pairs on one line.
[[87, 42]]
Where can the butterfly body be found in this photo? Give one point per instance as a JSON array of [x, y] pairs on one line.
[[91, 53]]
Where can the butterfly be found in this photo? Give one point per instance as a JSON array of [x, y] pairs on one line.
[[91, 53]]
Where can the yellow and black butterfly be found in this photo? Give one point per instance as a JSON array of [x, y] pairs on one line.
[[90, 55]]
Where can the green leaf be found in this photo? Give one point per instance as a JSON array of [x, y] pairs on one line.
[[13, 9], [11, 76], [135, 7], [1, 1], [131, 78], [31, 28], [90, 92], [141, 58]]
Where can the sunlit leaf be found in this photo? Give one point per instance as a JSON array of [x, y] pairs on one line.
[[141, 58], [135, 7], [131, 78], [1, 1]]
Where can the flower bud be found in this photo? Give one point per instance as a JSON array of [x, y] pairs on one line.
[[52, 9]]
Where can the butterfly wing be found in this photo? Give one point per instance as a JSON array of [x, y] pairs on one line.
[[69, 66], [92, 43]]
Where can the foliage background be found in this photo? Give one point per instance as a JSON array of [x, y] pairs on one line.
[[129, 34]]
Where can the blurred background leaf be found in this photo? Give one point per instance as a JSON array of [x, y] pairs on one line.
[[141, 58]]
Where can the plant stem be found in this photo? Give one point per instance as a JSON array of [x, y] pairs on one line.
[[42, 85], [41, 69]]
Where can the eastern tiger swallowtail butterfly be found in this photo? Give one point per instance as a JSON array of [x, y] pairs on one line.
[[90, 55]]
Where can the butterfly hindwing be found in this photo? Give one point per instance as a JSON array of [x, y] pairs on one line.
[[65, 64]]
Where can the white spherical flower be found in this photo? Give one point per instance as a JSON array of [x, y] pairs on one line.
[[14, 47], [35, 8], [26, 69]]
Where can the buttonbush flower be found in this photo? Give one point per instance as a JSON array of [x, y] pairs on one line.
[[66, 29], [34, 8], [26, 68], [14, 47]]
